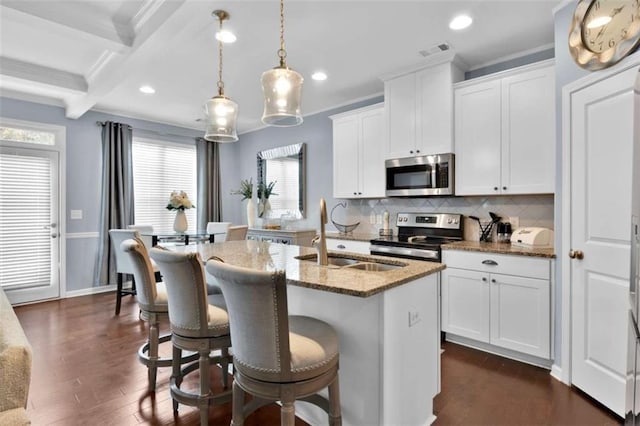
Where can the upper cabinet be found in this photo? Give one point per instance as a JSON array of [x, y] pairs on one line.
[[358, 158], [419, 110], [505, 132]]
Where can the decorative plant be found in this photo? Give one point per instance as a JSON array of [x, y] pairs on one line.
[[179, 201], [266, 190], [246, 189]]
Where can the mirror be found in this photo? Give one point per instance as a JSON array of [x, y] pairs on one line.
[[286, 167]]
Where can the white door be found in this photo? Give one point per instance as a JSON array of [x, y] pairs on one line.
[[400, 104], [345, 157], [601, 147], [372, 170], [29, 227]]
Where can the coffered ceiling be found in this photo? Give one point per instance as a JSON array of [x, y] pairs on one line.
[[95, 54]]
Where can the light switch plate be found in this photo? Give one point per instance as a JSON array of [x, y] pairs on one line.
[[76, 214]]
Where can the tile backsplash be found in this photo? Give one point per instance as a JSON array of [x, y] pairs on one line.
[[530, 210]]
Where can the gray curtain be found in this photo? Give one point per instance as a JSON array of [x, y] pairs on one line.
[[208, 206], [117, 209]]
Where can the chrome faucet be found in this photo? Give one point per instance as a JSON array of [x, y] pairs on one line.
[[320, 242]]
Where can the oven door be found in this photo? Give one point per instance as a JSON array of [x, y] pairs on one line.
[[419, 176], [432, 255]]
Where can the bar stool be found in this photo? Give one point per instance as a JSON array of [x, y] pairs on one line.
[[199, 323], [276, 357], [152, 300]]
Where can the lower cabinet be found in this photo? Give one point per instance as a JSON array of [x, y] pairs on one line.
[[511, 311], [297, 237], [351, 246]]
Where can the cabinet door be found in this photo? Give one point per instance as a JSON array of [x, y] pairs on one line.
[[477, 139], [465, 303], [400, 105], [528, 132], [345, 157], [434, 123], [372, 170], [520, 314]]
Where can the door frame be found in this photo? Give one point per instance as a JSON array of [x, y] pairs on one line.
[[59, 147], [563, 372]]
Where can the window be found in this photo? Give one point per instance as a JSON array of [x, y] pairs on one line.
[[158, 168]]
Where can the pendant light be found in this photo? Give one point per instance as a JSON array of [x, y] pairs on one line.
[[222, 112], [282, 89]]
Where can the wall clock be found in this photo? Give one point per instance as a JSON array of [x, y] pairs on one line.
[[604, 31]]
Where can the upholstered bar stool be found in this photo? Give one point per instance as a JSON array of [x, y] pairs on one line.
[[276, 357], [152, 300], [198, 323]]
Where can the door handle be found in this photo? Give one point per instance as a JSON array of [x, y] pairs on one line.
[[490, 262], [576, 254]]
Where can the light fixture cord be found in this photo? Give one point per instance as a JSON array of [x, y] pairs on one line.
[[282, 53], [220, 82]]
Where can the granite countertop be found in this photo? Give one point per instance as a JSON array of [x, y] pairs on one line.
[[352, 236], [500, 248], [266, 256]]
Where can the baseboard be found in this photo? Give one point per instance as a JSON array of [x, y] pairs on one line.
[[90, 290], [556, 373]]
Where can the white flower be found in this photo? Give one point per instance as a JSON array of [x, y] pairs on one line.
[[179, 201]]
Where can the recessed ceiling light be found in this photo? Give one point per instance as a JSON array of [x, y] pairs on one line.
[[319, 76], [225, 36], [147, 90], [460, 22]]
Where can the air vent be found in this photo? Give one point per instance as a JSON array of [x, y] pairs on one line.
[[442, 47]]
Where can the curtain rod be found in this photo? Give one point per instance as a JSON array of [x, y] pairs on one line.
[[102, 123]]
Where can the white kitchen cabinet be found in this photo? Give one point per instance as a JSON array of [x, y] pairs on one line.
[[301, 237], [505, 132], [419, 111], [358, 160], [501, 300], [350, 246]]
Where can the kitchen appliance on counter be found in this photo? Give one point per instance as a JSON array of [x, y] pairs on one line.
[[532, 237], [420, 236], [421, 175]]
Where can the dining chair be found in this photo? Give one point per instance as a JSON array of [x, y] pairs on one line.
[[152, 300], [276, 357], [123, 263], [199, 323], [219, 229], [238, 232], [145, 233]]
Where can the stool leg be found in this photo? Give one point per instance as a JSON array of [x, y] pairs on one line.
[[224, 364], [237, 418], [118, 294], [204, 387], [335, 415], [153, 351], [287, 413], [176, 376]]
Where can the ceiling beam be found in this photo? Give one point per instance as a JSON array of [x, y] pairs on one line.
[[15, 70]]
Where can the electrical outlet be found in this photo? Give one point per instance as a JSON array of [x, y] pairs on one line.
[[414, 318], [76, 214], [515, 222]]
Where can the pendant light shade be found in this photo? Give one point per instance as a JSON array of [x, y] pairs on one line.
[[282, 89], [222, 112]]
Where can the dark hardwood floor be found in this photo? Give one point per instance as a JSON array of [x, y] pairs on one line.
[[85, 371]]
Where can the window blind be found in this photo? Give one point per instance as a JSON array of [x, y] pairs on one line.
[[284, 171], [25, 215], [159, 168]]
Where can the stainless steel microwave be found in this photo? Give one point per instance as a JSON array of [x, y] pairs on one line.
[[420, 176]]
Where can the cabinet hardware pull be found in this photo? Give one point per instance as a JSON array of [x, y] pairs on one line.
[[410, 152], [504, 188], [495, 188], [484, 279], [490, 262], [341, 246], [493, 280], [417, 151]]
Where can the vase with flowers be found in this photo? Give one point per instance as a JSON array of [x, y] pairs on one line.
[[179, 201], [246, 190]]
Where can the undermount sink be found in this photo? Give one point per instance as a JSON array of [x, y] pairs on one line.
[[353, 263], [373, 266]]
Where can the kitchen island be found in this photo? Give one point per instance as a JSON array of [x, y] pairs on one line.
[[387, 324]]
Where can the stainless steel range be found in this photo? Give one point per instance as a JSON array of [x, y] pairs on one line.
[[420, 236]]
